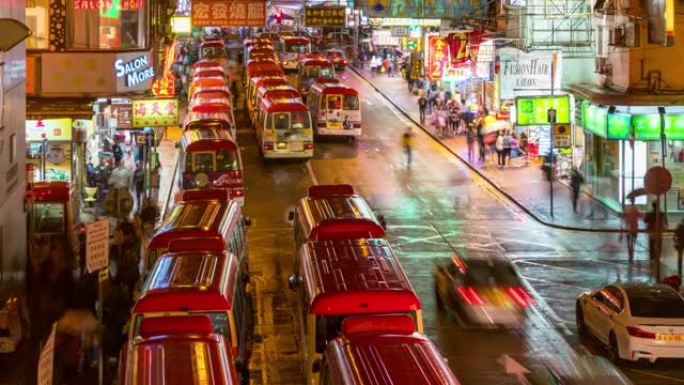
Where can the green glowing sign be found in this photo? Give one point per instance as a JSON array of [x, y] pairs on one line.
[[646, 127], [594, 119], [619, 126], [532, 111], [674, 127]]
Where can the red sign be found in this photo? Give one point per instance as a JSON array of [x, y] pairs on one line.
[[437, 59], [107, 4], [228, 13], [464, 46], [164, 85]]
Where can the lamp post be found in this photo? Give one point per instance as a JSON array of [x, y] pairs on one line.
[[663, 149]]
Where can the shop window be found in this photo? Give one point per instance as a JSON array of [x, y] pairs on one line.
[[120, 26], [38, 20]]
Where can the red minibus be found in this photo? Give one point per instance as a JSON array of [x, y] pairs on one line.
[[383, 350], [341, 278], [210, 158], [204, 218], [335, 108], [274, 92], [263, 68], [177, 350], [283, 129], [208, 283], [313, 67], [292, 49], [218, 120], [258, 81], [334, 212]]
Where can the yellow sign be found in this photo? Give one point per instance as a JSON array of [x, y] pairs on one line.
[[181, 24], [50, 129], [155, 113]]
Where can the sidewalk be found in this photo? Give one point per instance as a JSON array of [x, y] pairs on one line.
[[522, 182]]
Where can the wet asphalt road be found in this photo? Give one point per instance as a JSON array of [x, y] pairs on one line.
[[433, 210]]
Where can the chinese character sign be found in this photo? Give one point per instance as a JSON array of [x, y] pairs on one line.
[[97, 245], [437, 59], [228, 13], [155, 113], [324, 17]]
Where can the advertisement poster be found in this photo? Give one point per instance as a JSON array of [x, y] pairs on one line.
[[155, 113], [228, 13], [58, 162], [437, 57], [50, 129], [534, 111]]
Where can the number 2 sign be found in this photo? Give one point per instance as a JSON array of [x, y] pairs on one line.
[[439, 53]]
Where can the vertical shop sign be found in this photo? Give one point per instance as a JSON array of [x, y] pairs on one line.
[[458, 45], [228, 13], [439, 51], [47, 359], [97, 245]]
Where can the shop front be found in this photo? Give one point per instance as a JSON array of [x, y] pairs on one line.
[[622, 142]]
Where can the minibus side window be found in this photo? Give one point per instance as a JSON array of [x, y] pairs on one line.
[[327, 328], [351, 102], [238, 314]]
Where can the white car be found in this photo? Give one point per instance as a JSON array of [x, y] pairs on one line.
[[635, 321]]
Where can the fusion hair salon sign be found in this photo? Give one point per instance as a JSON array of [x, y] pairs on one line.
[[134, 71], [524, 74]]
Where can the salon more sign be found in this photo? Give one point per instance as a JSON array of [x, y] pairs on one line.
[[525, 74]]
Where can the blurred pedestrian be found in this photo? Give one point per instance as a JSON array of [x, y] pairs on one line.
[[470, 140], [507, 145], [630, 219], [678, 238], [479, 126], [407, 144], [576, 180], [499, 145], [422, 107], [655, 224]]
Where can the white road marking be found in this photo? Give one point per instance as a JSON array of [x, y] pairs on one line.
[[310, 171]]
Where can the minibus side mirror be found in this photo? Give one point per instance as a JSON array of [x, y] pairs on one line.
[[290, 216], [177, 144], [316, 366], [294, 281], [247, 221]]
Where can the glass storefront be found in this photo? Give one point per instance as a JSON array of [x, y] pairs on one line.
[[103, 24]]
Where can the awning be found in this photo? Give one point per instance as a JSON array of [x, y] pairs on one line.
[[608, 97], [37, 108]]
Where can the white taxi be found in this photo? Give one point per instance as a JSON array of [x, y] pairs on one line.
[[635, 321]]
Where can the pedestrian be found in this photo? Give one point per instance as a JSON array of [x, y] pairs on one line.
[[407, 144], [139, 182], [373, 65], [470, 140], [678, 238], [479, 125], [507, 145], [576, 180], [422, 107], [431, 100], [499, 145], [630, 218], [655, 224]]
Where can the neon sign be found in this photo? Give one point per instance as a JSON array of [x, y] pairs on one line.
[[108, 4], [439, 53]]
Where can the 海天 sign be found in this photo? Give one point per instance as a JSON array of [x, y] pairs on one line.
[[155, 112], [532, 111], [135, 71]]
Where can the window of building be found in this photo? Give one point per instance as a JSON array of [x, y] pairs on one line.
[[38, 19], [121, 24]]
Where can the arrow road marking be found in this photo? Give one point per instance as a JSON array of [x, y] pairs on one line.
[[514, 368]]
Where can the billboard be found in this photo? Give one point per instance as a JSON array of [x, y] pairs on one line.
[[228, 13]]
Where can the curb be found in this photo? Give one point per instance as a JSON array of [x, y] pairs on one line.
[[529, 212]]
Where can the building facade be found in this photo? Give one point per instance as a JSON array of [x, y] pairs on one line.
[[12, 148]]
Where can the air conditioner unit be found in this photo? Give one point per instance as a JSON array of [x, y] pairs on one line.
[[617, 37], [603, 66]]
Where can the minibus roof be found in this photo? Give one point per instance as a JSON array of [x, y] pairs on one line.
[[355, 276], [208, 139], [189, 281]]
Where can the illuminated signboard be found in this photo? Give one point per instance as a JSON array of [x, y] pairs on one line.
[[646, 126], [108, 5], [49, 129], [135, 71], [619, 126], [533, 111], [674, 127], [437, 58], [155, 113], [403, 22], [181, 24], [228, 13]]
